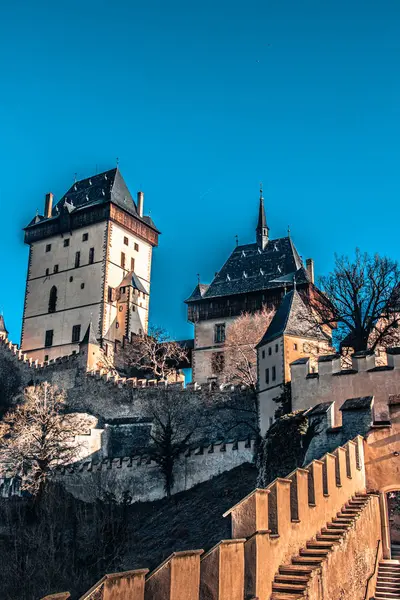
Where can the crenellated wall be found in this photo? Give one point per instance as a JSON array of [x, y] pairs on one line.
[[331, 382], [139, 478], [269, 527]]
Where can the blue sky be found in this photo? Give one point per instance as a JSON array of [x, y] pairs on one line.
[[201, 101]]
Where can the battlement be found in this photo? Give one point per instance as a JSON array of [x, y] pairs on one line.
[[139, 476], [330, 381], [26, 360], [269, 527]]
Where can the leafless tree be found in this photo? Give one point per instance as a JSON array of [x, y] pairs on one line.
[[10, 383], [361, 298], [175, 423], [154, 353], [36, 436], [242, 336]]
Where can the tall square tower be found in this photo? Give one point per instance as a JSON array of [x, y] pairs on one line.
[[89, 261]]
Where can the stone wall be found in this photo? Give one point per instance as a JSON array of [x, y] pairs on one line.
[[139, 478], [330, 382], [269, 527]]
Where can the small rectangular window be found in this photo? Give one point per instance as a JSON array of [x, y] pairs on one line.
[[136, 247], [273, 373], [85, 237], [263, 354], [269, 351], [123, 291], [266, 375], [76, 334], [48, 340], [91, 256], [48, 247], [55, 269], [126, 241], [47, 271], [77, 259], [46, 357], [132, 264], [276, 347], [219, 333], [111, 294], [66, 242], [123, 260], [294, 346]]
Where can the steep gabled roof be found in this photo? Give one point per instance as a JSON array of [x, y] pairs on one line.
[[292, 318], [90, 337], [198, 292], [250, 269], [132, 279], [98, 189], [2, 325]]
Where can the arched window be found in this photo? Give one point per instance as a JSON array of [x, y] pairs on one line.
[[53, 299]]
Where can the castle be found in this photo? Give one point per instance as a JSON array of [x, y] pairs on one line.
[[255, 275], [322, 531], [89, 261]]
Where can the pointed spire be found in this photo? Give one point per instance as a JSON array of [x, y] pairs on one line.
[[90, 337], [262, 227], [3, 330]]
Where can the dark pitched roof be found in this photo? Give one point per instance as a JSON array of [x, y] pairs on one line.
[[133, 280], [250, 269], [292, 318], [2, 325], [319, 409], [360, 403], [98, 189], [89, 337], [198, 292]]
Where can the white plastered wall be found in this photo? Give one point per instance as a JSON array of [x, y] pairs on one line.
[[76, 305]]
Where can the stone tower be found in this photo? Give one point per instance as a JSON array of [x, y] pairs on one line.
[[89, 262]]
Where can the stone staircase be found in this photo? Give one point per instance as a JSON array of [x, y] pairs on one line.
[[388, 582], [291, 581]]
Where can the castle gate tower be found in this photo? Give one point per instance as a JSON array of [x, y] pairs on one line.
[[89, 261]]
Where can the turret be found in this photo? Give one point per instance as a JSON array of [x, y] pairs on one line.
[[262, 227], [90, 351], [3, 330]]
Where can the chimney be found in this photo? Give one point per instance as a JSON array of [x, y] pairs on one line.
[[48, 205], [140, 199], [310, 268]]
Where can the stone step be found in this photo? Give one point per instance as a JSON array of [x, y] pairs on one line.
[[292, 579], [328, 537], [384, 587], [295, 569], [320, 544], [308, 560], [333, 530], [387, 595], [280, 596], [288, 588], [314, 552]]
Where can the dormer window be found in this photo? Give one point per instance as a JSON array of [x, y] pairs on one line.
[[48, 247], [123, 290]]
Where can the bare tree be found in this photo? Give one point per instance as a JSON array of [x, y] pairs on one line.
[[10, 383], [242, 336], [175, 422], [154, 353], [361, 298], [36, 436]]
